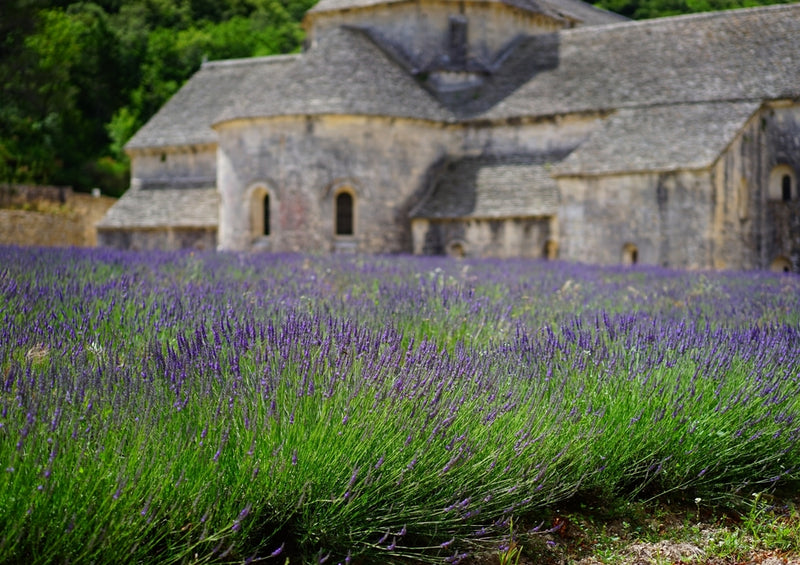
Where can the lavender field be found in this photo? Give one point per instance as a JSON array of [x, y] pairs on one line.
[[215, 408]]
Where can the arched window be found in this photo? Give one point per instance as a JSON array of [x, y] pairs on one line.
[[261, 206], [782, 184], [456, 249], [630, 254], [781, 265], [344, 214]]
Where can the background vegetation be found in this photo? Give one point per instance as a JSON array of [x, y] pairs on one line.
[[78, 78]]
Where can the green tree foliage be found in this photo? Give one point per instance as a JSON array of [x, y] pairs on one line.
[[644, 9], [78, 78]]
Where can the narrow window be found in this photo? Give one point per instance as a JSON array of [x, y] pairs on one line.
[[786, 188], [265, 205], [344, 214], [458, 40]]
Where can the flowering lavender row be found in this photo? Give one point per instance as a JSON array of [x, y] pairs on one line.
[[175, 406]]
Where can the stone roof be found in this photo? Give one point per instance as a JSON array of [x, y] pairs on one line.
[[660, 138], [493, 187], [748, 54], [573, 10], [187, 117], [346, 74], [177, 207]]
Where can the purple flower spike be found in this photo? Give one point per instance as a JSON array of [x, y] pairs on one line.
[[278, 551]]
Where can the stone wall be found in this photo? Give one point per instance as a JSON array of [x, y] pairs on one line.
[[499, 238], [50, 216], [22, 195], [752, 225], [422, 32], [192, 166], [200, 239], [302, 163], [664, 217]]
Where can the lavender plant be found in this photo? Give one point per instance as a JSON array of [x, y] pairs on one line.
[[184, 407]]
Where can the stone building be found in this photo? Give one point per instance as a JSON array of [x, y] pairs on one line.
[[500, 128]]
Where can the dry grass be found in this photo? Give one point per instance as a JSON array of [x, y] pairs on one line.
[[765, 531]]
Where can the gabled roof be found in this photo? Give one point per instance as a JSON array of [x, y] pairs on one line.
[[493, 187], [187, 117], [348, 74], [740, 55], [749, 54], [660, 138], [572, 10], [159, 208]]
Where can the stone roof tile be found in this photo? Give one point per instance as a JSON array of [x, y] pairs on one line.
[[735, 55], [347, 73], [176, 207], [741, 55], [493, 187], [187, 117], [662, 138]]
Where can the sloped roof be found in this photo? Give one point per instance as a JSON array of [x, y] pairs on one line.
[[575, 10], [746, 54], [493, 187], [349, 74], [176, 207], [187, 117], [661, 138], [735, 55]]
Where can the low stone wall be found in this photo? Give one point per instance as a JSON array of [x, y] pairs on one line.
[[52, 216], [200, 239], [16, 195]]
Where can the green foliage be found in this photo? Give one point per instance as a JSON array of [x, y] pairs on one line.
[[79, 78], [645, 9]]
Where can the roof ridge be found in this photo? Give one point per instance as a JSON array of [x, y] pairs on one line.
[[553, 8], [282, 58]]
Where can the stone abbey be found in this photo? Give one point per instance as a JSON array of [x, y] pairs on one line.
[[487, 128]]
